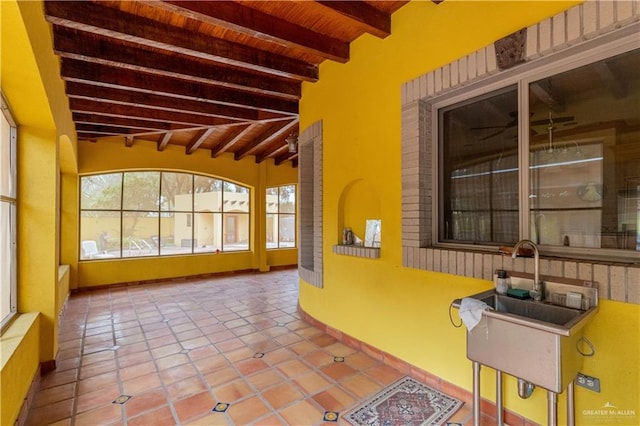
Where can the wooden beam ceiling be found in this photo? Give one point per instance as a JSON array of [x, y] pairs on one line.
[[224, 76]]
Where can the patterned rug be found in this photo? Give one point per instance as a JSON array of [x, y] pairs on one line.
[[405, 402]]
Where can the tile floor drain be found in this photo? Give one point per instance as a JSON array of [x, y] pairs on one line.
[[330, 416], [122, 399], [221, 407], [258, 355], [338, 359]]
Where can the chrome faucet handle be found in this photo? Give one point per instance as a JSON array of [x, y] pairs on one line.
[[537, 292], [535, 295]]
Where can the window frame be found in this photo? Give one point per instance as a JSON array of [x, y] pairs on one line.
[[161, 213], [277, 215], [522, 76], [12, 200]]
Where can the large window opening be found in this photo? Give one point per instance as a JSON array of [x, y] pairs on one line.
[[554, 157], [158, 213], [479, 140], [8, 214], [281, 217]]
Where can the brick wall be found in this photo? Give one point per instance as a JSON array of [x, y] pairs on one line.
[[310, 201]]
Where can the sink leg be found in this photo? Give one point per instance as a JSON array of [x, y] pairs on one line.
[[552, 408], [476, 394], [499, 419], [571, 420]]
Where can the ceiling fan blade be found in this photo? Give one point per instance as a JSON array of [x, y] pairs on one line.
[[488, 127], [555, 120], [491, 135]]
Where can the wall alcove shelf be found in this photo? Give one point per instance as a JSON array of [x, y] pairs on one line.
[[357, 251], [359, 202]]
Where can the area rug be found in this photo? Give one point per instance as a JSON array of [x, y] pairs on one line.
[[405, 402]]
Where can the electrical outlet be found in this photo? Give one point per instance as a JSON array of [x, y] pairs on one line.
[[588, 382]]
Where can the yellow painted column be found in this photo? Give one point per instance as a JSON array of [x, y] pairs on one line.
[[38, 245], [260, 211], [69, 235]]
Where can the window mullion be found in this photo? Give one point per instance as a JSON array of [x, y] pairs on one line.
[[278, 189], [122, 216], [523, 158]]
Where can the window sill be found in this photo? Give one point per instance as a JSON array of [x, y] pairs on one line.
[[357, 251]]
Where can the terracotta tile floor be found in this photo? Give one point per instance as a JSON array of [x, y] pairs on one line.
[[179, 349]]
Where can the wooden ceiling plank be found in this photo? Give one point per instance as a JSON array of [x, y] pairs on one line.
[[254, 23], [74, 44], [230, 139], [267, 138], [238, 103], [368, 17], [123, 110], [97, 18], [196, 142]]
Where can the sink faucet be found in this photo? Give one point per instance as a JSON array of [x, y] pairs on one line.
[[537, 293]]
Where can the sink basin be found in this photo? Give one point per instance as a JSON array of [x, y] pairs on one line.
[[539, 311], [534, 341]]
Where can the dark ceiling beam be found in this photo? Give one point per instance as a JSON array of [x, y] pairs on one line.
[[218, 114], [611, 81], [232, 137], [268, 137], [74, 44], [367, 17], [98, 128], [132, 123], [93, 137], [99, 19], [122, 110], [239, 104], [286, 156], [227, 102], [273, 153], [197, 141], [254, 23], [164, 141]]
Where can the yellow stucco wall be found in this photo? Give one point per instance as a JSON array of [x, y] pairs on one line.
[[31, 84], [404, 311], [35, 93]]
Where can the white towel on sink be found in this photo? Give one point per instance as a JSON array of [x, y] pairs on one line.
[[471, 311]]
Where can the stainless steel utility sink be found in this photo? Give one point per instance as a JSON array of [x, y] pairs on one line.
[[544, 314], [532, 340]]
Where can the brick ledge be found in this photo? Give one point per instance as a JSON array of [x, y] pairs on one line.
[[357, 250]]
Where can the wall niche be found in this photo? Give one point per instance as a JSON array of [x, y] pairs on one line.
[[359, 201]]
